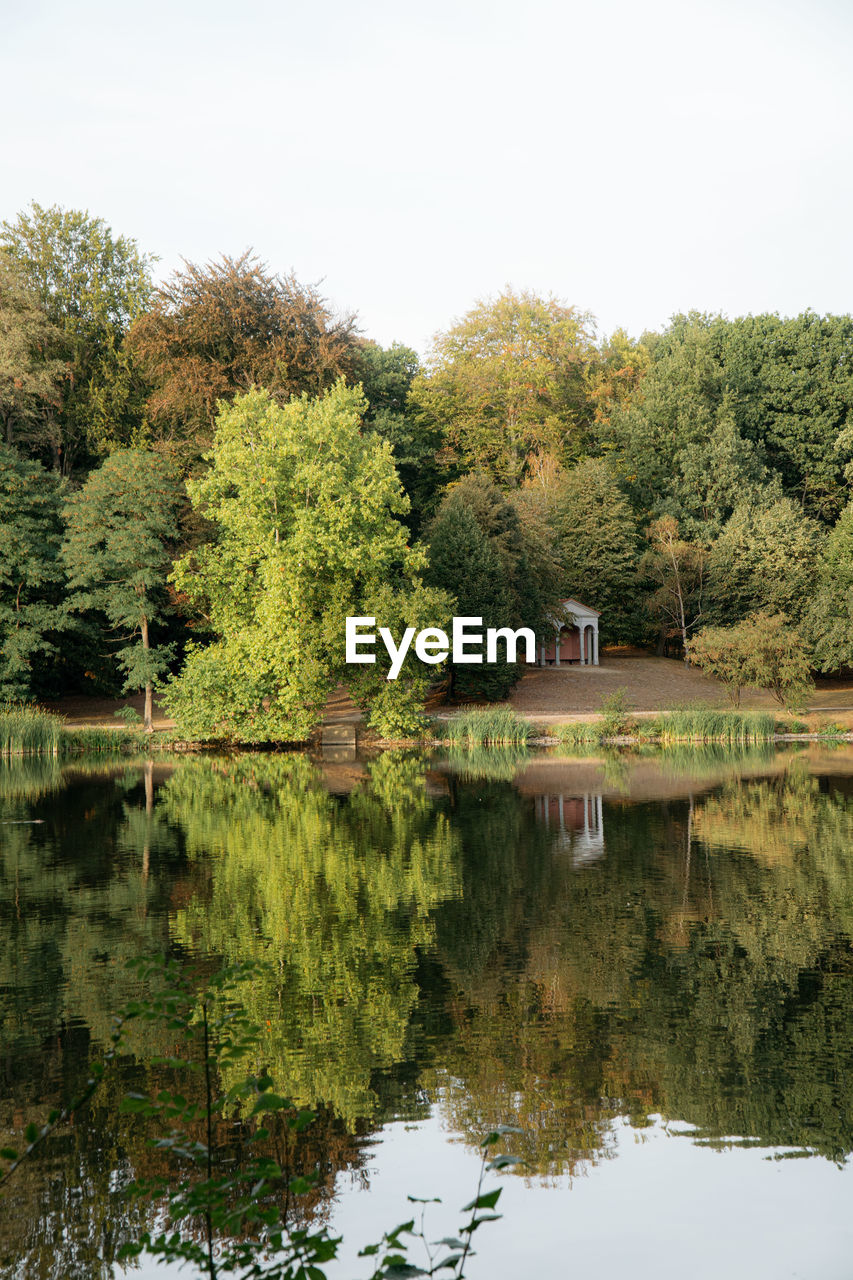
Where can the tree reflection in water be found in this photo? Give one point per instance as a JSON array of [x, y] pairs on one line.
[[433, 937]]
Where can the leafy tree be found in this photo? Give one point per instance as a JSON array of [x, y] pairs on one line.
[[793, 382], [507, 380], [91, 286], [304, 505], [31, 574], [828, 624], [30, 375], [216, 331], [763, 651], [764, 559], [676, 568], [599, 539], [386, 375], [119, 526], [463, 562]]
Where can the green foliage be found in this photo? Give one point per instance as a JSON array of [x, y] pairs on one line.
[[91, 285], [614, 711], [828, 624], [599, 541], [26, 730], [705, 724], [508, 380], [675, 569], [116, 553], [764, 559], [32, 610], [479, 726], [578, 733], [295, 494], [763, 652], [30, 373], [479, 552]]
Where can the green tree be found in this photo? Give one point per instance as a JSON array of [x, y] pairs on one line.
[[764, 559], [599, 545], [30, 375], [507, 380], [91, 285], [116, 553], [386, 375], [828, 624], [216, 331], [31, 573], [676, 570], [304, 505]]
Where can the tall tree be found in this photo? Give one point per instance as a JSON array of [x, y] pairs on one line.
[[30, 372], [386, 375], [677, 571], [32, 611], [305, 508], [764, 559], [116, 551], [217, 330], [828, 624], [509, 379], [599, 546], [91, 286]]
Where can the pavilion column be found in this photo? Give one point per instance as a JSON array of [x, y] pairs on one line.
[[582, 631], [595, 644], [557, 650], [542, 653]]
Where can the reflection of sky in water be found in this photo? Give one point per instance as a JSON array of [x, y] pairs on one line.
[[666, 1208]]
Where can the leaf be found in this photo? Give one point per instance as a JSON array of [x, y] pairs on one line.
[[487, 1201], [8, 1153]]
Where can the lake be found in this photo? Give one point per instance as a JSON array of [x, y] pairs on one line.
[[640, 962]]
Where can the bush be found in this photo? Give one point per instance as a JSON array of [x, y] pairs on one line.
[[763, 652], [614, 714]]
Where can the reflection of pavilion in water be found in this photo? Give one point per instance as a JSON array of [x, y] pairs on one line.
[[578, 822]]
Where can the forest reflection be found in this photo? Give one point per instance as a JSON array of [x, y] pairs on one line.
[[532, 943]]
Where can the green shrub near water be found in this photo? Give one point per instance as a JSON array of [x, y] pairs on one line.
[[481, 725]]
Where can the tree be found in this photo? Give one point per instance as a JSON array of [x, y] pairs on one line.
[[30, 375], [304, 505], [763, 652], [677, 570], [828, 623], [764, 559], [507, 380], [215, 331], [386, 375], [116, 553], [31, 574], [462, 561], [598, 540], [90, 285]]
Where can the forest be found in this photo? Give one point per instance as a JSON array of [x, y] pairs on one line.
[[201, 478]]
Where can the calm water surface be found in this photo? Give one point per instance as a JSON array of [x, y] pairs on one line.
[[644, 963]]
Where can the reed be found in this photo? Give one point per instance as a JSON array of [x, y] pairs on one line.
[[705, 724], [480, 726], [28, 731]]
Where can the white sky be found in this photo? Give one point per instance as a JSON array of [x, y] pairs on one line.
[[635, 157]]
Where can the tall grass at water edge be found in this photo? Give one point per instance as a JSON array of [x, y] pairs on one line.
[[705, 724], [481, 726], [28, 731]]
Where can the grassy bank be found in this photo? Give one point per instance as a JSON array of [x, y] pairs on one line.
[[29, 731], [485, 726]]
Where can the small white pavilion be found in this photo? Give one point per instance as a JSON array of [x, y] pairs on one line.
[[575, 637]]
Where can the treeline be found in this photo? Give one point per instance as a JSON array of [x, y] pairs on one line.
[[198, 481]]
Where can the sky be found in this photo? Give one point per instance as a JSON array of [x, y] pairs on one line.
[[634, 159]]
